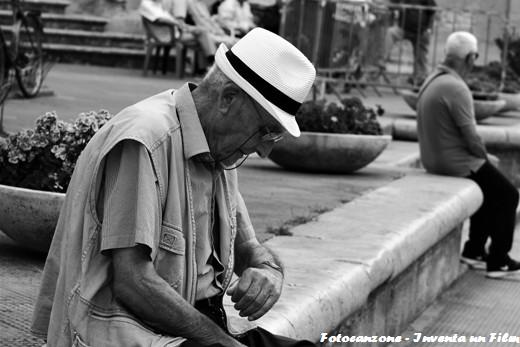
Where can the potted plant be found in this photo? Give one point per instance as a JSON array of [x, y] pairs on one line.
[[488, 80], [336, 138], [35, 169], [487, 101]]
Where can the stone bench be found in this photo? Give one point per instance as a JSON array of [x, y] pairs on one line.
[[370, 266]]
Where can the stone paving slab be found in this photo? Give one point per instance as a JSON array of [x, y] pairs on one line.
[[473, 306]]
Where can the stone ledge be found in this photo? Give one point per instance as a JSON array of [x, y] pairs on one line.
[[335, 263], [494, 136], [502, 141]]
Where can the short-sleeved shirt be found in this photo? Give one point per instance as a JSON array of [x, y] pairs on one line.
[[444, 107], [128, 193]]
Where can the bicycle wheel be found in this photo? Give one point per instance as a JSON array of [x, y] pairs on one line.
[[5, 83], [28, 59]]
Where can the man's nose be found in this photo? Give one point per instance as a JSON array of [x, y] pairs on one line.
[[264, 148]]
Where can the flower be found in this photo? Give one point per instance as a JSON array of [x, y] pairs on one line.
[[44, 157], [350, 116]]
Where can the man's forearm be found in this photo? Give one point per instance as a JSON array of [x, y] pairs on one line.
[[473, 141], [160, 306]]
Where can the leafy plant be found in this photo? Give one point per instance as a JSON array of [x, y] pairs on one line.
[[351, 117], [486, 79], [44, 157]]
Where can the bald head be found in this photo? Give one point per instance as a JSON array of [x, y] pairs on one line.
[[459, 44]]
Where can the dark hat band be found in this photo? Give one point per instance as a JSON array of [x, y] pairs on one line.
[[270, 92]]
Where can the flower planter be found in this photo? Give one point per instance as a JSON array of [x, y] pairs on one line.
[[512, 101], [328, 153], [483, 108], [29, 216]]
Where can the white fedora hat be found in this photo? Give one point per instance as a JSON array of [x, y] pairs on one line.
[[272, 71]]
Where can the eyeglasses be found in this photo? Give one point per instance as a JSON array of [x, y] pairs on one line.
[[268, 136]]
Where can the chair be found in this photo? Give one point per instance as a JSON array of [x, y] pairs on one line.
[[162, 36]]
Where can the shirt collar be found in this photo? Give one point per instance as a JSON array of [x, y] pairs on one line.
[[193, 137]]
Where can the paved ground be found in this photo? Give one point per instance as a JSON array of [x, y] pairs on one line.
[[473, 306]]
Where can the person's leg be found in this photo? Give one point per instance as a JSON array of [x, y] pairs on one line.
[[393, 34], [259, 337], [420, 51], [497, 215], [189, 343], [207, 44], [479, 228]]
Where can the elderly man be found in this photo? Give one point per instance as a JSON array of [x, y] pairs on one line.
[[153, 225], [450, 145]]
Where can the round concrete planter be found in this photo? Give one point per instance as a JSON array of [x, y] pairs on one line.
[[29, 216], [328, 153], [483, 108], [512, 101]]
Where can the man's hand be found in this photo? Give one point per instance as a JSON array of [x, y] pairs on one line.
[[256, 292]]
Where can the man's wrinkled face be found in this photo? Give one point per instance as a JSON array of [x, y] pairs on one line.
[[250, 129]]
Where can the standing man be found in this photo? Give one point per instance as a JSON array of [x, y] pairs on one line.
[[450, 145], [153, 225], [415, 25]]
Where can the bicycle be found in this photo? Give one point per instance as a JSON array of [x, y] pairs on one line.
[[22, 54]]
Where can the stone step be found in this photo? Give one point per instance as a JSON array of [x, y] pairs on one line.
[[63, 21], [74, 21], [93, 55], [52, 6], [100, 39], [86, 38]]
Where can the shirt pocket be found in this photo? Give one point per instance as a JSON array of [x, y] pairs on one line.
[[172, 239], [170, 261]]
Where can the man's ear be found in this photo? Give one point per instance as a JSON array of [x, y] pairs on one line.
[[228, 97]]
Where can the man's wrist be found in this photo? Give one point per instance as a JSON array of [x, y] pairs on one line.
[[272, 265]]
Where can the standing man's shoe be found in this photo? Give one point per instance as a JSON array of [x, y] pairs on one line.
[[510, 268]]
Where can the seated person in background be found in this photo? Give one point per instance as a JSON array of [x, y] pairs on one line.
[[208, 33], [199, 13], [450, 145], [235, 17]]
